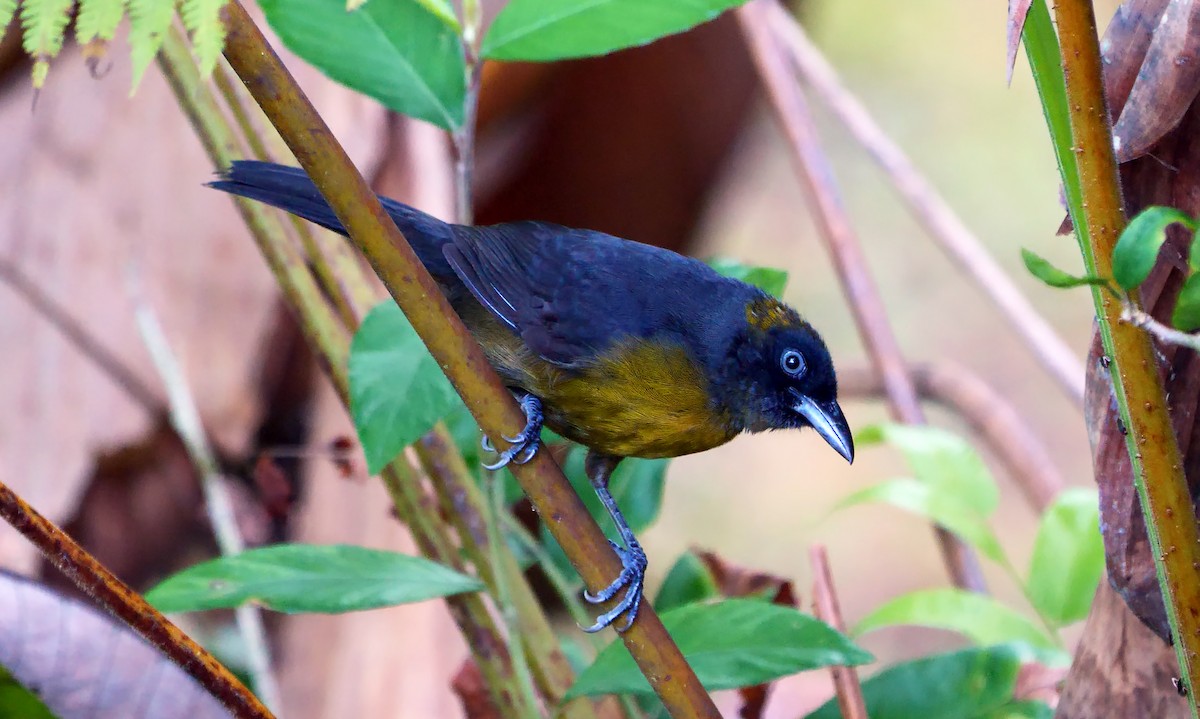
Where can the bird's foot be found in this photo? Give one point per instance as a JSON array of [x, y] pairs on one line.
[[633, 574], [524, 445]]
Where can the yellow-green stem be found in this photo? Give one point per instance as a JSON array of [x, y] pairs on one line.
[[1153, 450]]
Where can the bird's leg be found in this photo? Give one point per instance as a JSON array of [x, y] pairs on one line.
[[633, 558], [525, 444]]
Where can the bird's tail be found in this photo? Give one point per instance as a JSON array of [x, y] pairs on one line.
[[290, 189]]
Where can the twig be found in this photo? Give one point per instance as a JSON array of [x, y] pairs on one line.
[[1139, 318], [863, 297], [87, 344], [942, 224], [825, 606], [185, 418], [127, 605], [452, 346], [1151, 442], [990, 415]]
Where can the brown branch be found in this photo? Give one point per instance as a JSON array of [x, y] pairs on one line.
[[942, 224], [452, 346], [127, 605], [816, 175], [825, 607], [1153, 449], [989, 414]]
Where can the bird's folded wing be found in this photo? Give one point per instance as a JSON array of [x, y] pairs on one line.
[[558, 289]]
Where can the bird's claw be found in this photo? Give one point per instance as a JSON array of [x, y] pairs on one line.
[[525, 444], [633, 574]]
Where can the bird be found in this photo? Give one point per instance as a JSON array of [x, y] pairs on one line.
[[625, 348]]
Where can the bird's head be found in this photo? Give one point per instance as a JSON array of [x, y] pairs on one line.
[[778, 375]]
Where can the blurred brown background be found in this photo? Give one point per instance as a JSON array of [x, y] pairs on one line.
[[672, 141]]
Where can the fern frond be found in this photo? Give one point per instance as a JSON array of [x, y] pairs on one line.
[[148, 24], [98, 19], [44, 23], [202, 18], [7, 9]]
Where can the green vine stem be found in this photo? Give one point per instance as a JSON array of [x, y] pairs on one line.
[[452, 346], [1153, 450]]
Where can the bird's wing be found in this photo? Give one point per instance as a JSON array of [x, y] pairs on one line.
[[570, 294]]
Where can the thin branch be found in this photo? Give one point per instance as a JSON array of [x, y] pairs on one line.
[[1151, 442], [825, 607], [1169, 335], [185, 418], [816, 175], [990, 415], [452, 346], [83, 340], [92, 578], [942, 224]]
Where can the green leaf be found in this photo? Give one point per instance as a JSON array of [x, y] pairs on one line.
[[1021, 710], [1137, 248], [18, 702], [8, 8], [688, 581], [1194, 254], [44, 23], [943, 508], [202, 18], [967, 684], [397, 390], [442, 11], [543, 30], [149, 21], [734, 643], [1186, 315], [293, 578], [1041, 268], [942, 460], [1068, 558], [96, 19], [767, 279], [395, 51], [981, 618]]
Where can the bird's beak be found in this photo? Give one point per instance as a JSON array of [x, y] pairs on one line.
[[830, 423]]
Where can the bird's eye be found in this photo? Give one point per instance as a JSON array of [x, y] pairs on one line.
[[792, 362]]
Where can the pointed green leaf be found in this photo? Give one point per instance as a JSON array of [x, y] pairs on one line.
[[980, 618], [442, 11], [98, 19], [395, 51], [202, 18], [1186, 315], [543, 30], [1068, 558], [397, 390], [943, 508], [767, 279], [8, 8], [941, 459], [1137, 248], [1041, 268], [293, 578], [149, 21], [734, 643], [44, 23], [687, 581], [967, 684], [18, 702]]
